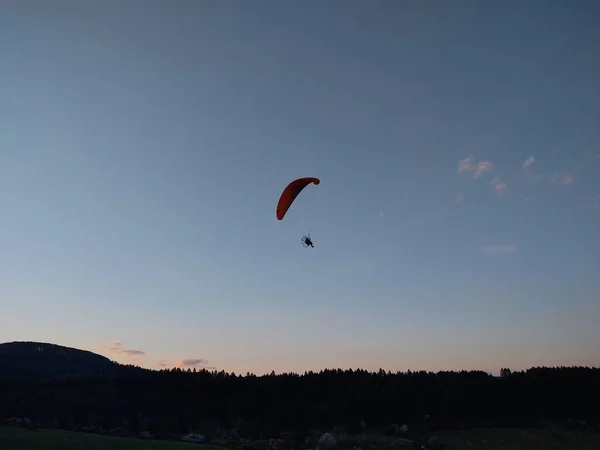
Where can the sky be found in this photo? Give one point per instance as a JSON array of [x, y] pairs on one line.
[[144, 146]]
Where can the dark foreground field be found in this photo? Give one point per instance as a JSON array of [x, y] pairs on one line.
[[20, 439], [515, 439], [484, 439]]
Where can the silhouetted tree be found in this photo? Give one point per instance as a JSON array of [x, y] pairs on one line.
[[173, 401]]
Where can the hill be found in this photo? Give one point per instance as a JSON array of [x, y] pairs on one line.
[[44, 361]]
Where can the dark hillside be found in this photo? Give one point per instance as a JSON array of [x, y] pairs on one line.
[[43, 361]]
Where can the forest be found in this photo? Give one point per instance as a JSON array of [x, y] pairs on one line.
[[217, 404]]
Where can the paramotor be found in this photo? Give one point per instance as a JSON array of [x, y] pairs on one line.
[[288, 196]]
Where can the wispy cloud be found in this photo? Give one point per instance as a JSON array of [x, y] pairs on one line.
[[583, 163], [499, 185], [468, 165], [186, 363], [528, 162], [193, 362], [562, 178], [482, 167], [189, 363], [116, 350]]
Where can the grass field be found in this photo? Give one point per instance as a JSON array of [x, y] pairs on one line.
[[20, 439], [515, 439], [485, 439]]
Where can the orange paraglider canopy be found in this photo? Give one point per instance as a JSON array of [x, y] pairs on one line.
[[290, 193]]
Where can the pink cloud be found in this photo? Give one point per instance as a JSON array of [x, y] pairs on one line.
[[117, 352], [466, 165], [198, 363], [528, 162], [482, 167], [186, 363], [126, 355], [563, 178], [469, 165], [193, 362], [499, 185]]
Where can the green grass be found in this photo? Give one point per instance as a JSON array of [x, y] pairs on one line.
[[482, 439], [20, 439], [515, 439]]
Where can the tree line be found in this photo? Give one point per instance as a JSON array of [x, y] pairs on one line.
[[216, 403]]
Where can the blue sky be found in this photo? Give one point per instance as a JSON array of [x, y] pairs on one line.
[[144, 145]]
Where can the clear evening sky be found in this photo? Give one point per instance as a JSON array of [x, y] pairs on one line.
[[144, 145]]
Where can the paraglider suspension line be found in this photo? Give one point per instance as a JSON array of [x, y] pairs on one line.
[[306, 224]]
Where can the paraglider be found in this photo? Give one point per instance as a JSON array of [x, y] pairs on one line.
[[288, 196]]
